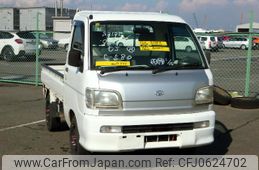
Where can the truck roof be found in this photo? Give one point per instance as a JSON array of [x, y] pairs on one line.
[[128, 16]]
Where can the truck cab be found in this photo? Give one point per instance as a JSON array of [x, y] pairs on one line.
[[144, 94]]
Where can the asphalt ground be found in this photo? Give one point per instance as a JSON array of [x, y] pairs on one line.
[[23, 129]]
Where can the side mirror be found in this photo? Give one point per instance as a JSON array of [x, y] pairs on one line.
[[75, 60], [208, 56]]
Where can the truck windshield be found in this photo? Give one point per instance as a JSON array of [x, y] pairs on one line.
[[144, 45]]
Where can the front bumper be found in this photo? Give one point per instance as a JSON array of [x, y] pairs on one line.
[[93, 140]]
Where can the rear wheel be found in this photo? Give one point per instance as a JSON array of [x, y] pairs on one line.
[[188, 49], [8, 54], [120, 44], [53, 122], [243, 47]]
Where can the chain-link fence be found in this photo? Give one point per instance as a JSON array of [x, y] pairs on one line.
[[23, 52], [230, 62]]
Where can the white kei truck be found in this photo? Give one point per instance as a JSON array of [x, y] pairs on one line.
[[154, 91]]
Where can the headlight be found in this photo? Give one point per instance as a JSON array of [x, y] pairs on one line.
[[204, 95], [103, 99]]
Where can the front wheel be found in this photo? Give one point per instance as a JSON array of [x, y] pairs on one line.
[[76, 148]]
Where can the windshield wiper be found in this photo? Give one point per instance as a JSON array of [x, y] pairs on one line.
[[178, 67], [163, 69], [114, 69]]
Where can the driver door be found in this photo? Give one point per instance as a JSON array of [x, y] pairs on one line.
[[74, 68]]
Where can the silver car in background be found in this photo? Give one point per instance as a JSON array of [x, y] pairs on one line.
[[236, 42], [46, 41]]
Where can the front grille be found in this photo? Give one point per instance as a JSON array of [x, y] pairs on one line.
[[157, 128]]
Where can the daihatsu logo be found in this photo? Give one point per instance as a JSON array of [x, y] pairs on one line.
[[160, 93]]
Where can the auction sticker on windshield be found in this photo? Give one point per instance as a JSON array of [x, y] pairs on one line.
[[112, 63], [151, 43], [154, 48]]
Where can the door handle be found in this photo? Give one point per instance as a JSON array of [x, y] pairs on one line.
[[66, 69]]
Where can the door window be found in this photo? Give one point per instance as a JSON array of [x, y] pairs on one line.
[[77, 47]]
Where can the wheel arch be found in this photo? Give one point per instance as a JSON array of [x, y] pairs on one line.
[[71, 115], [6, 46]]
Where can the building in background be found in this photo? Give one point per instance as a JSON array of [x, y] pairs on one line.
[[28, 17], [9, 19], [245, 27], [62, 27]]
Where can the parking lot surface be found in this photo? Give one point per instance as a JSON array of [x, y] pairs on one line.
[[23, 130]]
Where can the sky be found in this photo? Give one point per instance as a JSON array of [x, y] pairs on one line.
[[210, 14]]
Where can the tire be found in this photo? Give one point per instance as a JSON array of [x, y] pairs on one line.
[[31, 57], [188, 49], [75, 146], [243, 47], [53, 123], [245, 102], [8, 54], [120, 44], [221, 96]]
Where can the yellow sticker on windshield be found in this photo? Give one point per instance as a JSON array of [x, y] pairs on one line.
[[112, 63], [154, 48], [151, 43]]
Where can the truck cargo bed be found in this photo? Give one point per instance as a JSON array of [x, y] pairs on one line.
[[52, 76]]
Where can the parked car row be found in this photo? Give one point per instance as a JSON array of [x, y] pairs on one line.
[[23, 44], [214, 43]]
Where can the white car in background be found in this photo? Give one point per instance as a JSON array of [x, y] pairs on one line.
[[209, 42], [184, 43], [17, 44], [129, 40], [113, 38]]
